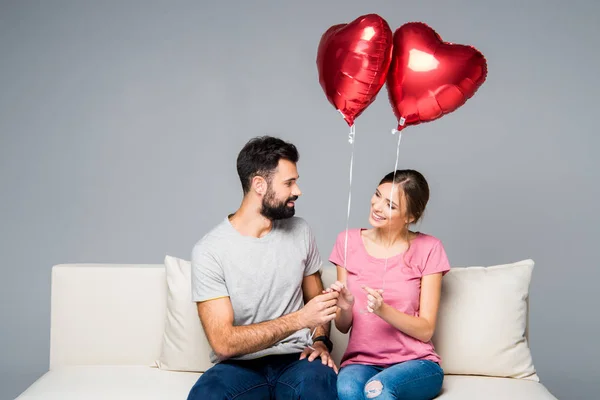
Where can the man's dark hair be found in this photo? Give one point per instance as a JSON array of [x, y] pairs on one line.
[[260, 157]]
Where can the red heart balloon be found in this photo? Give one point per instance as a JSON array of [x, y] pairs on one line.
[[353, 60], [429, 78]]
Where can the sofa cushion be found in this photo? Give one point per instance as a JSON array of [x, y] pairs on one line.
[[482, 321], [184, 344], [146, 383], [481, 326]]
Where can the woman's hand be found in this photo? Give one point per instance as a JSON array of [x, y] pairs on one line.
[[374, 299], [346, 299]]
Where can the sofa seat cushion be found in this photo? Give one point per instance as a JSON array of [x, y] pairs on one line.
[[110, 382], [462, 387], [140, 382]]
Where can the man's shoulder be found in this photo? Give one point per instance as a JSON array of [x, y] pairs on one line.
[[213, 239]]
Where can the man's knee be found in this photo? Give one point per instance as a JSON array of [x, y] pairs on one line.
[[317, 377]]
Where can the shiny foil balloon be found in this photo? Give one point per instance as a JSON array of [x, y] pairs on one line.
[[353, 60], [429, 78]]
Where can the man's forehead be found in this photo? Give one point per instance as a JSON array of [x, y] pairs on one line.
[[286, 170]]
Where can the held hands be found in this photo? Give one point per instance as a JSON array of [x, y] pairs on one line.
[[346, 299], [374, 299], [320, 310]]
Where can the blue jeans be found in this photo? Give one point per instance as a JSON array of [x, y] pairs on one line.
[[271, 377], [409, 380]]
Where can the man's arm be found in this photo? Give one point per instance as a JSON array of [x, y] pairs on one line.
[[229, 341]]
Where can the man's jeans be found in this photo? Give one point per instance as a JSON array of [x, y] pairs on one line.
[[280, 377], [411, 380]]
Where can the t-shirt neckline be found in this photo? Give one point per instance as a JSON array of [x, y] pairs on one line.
[[381, 259], [263, 239]]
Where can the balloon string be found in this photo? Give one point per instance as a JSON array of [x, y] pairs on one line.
[[394, 131], [351, 141]]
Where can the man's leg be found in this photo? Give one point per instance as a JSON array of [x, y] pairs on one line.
[[303, 379], [352, 379], [228, 380]]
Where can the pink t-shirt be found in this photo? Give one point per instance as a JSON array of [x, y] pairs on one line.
[[372, 340]]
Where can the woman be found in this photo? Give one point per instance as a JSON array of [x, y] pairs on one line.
[[389, 295]]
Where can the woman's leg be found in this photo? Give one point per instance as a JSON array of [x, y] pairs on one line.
[[409, 380], [351, 381]]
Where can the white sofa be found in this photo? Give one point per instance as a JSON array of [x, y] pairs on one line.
[[108, 331]]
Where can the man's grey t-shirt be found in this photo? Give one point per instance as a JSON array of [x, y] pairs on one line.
[[261, 276]]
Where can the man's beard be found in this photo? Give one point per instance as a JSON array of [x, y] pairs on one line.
[[277, 210]]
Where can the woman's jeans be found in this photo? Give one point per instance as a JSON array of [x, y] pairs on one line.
[[409, 380]]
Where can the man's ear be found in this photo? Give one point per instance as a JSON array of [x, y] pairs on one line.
[[259, 185]]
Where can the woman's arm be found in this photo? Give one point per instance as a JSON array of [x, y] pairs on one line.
[[421, 327]]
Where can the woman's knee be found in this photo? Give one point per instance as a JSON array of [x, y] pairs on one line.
[[407, 382]]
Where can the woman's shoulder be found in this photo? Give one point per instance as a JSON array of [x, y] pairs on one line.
[[427, 240], [351, 232]]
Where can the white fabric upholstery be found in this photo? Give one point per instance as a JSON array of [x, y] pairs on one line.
[[107, 314], [107, 328], [481, 328], [110, 382], [482, 321], [143, 383], [184, 346]]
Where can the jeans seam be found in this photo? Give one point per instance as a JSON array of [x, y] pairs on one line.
[[247, 390]]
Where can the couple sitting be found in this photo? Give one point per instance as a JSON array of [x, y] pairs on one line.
[[266, 315]]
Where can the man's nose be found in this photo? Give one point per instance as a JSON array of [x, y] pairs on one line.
[[297, 191]]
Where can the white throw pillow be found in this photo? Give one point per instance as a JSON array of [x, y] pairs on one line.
[[184, 346], [482, 320], [481, 325]]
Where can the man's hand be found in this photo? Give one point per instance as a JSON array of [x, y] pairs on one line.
[[320, 310], [319, 350]]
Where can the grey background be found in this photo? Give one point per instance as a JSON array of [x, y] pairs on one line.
[[120, 123]]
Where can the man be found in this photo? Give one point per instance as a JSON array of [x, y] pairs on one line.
[[256, 281]]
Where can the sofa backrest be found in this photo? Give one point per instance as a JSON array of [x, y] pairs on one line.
[[106, 314], [114, 314]]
